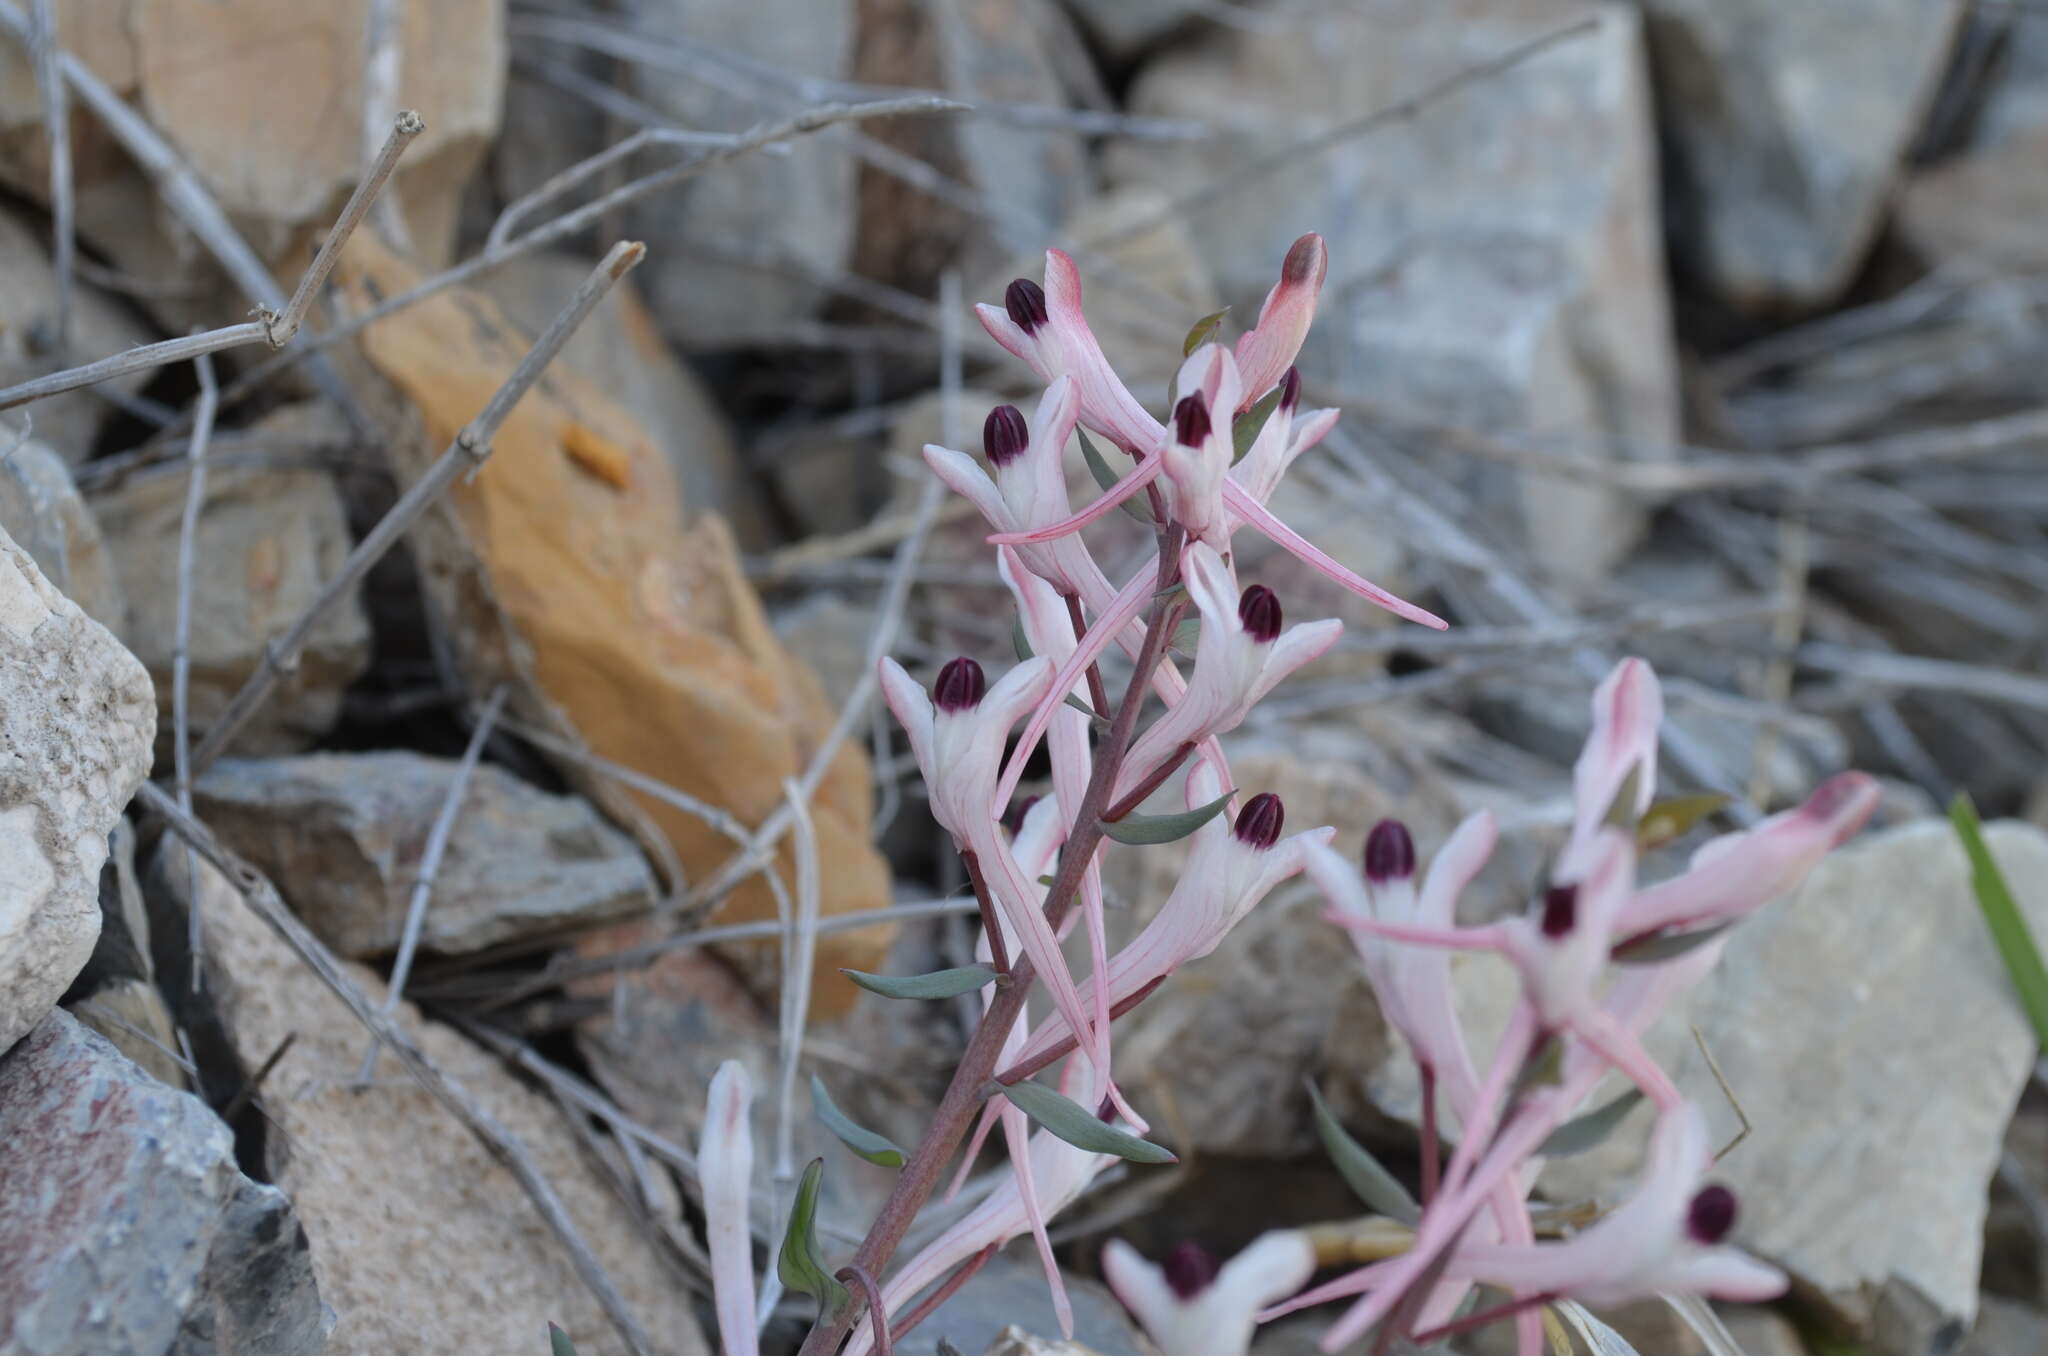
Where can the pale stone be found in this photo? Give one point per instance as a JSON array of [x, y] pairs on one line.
[[267, 544], [421, 1240], [75, 723], [41, 509]]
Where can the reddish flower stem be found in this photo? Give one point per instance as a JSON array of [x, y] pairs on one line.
[[1153, 781], [1432, 1147], [1098, 694], [884, 1343], [964, 1095], [1479, 1320], [1024, 1068], [998, 952]]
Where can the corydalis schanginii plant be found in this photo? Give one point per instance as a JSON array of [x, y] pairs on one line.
[[1036, 875]]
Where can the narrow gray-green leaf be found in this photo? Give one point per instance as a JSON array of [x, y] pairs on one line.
[[1146, 830], [936, 984], [1363, 1173], [1186, 634], [1081, 1127], [1251, 423], [1658, 947], [799, 1263], [558, 1341], [1591, 1130], [1019, 641], [852, 1133], [1105, 476], [1204, 330], [2002, 916], [1621, 811]]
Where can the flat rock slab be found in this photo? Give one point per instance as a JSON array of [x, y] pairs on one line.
[[125, 1226], [343, 833], [422, 1241], [76, 717]]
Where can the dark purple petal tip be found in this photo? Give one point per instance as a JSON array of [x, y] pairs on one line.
[[1190, 1269], [1560, 909], [1389, 852], [1260, 821], [961, 685], [1711, 1217], [1191, 421], [1004, 434], [1258, 611], [1306, 258], [1290, 389], [1025, 301]]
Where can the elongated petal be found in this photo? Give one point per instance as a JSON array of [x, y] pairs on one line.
[[1107, 405], [1005, 332], [1270, 347], [1126, 486], [1450, 939], [965, 478], [1256, 515], [1628, 709], [1739, 873], [1299, 645], [1463, 856], [1142, 1288], [912, 706], [725, 1160]]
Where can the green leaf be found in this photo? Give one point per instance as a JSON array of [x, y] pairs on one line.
[[1146, 830], [1186, 634], [1621, 811], [558, 1341], [1673, 818], [1589, 1131], [799, 1263], [1361, 1172], [1079, 1126], [1251, 423], [1019, 641], [1203, 331], [2002, 916], [1106, 477], [1544, 1068], [937, 984], [1083, 707], [852, 1134], [1655, 948]]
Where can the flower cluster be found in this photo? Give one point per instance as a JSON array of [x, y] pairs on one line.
[[1234, 427]]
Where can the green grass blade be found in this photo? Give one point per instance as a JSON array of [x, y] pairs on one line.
[[2002, 916]]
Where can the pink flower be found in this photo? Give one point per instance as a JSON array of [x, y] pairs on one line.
[[1196, 455], [1285, 435], [1667, 1237], [1241, 654], [1269, 348], [956, 735], [1230, 869], [1059, 1171], [1628, 710], [1190, 1308], [1045, 328], [725, 1162], [1026, 487]]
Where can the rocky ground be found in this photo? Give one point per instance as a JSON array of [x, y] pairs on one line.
[[1707, 330]]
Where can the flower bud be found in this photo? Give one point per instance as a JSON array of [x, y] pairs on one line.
[[1389, 853], [1258, 612], [1307, 261], [1191, 421], [1004, 435], [1025, 301], [961, 685], [1711, 1217], [1190, 1269], [1259, 822], [1560, 910]]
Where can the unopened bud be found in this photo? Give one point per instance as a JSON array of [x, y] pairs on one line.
[[1191, 421], [1004, 434], [1389, 853], [1258, 612], [1308, 259], [961, 685], [1025, 301], [1711, 1217], [1190, 1269], [1560, 910], [1260, 821]]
